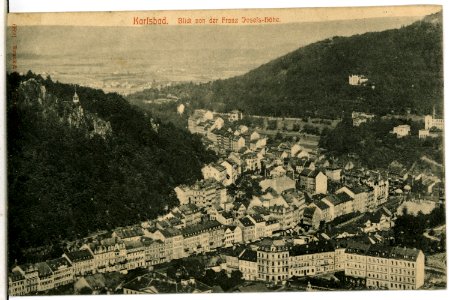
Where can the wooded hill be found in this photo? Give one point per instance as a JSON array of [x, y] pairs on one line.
[[404, 66], [64, 183]]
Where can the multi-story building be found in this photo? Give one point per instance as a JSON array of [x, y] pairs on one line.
[[356, 260], [248, 229], [311, 259], [109, 254], [232, 171], [313, 181], [233, 235], [251, 162], [189, 214], [173, 242], [380, 188], [135, 255], [231, 256], [62, 271], [46, 278], [82, 262], [203, 237], [273, 261], [16, 284], [361, 194], [406, 268], [377, 264], [430, 121], [203, 193], [380, 266], [154, 251], [248, 265], [260, 226], [214, 171], [30, 274]]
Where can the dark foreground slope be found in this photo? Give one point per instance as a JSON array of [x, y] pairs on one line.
[[65, 181], [404, 65]]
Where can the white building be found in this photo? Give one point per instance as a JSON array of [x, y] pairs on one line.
[[401, 130], [357, 79], [431, 121]]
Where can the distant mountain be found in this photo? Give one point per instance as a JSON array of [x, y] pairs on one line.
[[77, 167], [403, 67]]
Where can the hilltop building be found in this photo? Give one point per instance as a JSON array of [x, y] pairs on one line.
[[401, 130], [357, 79]]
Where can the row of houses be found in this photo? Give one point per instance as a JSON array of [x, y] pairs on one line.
[[126, 249], [377, 266], [221, 132]]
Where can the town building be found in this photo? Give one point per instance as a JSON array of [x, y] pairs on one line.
[[379, 266], [233, 235], [273, 261], [82, 262], [313, 181], [203, 193], [401, 130], [214, 171], [248, 265]]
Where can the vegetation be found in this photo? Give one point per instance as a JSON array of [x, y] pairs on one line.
[[376, 146], [62, 184], [404, 68], [409, 229]]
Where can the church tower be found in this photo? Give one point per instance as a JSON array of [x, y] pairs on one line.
[[76, 99]]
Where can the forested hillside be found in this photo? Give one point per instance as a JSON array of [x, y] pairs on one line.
[[404, 68], [64, 182]]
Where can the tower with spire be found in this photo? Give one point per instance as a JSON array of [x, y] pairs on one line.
[[76, 99]]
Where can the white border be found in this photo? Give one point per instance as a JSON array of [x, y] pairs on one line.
[[117, 5], [129, 5]]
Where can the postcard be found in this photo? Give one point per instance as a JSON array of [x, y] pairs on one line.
[[225, 151]]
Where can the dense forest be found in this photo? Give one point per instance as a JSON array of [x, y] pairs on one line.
[[63, 183], [404, 68], [377, 147]]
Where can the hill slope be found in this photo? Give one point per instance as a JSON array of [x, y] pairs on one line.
[[404, 65], [67, 178]]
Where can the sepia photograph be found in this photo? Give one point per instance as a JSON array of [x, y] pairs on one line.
[[225, 151]]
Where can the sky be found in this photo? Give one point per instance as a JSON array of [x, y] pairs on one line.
[[126, 59]]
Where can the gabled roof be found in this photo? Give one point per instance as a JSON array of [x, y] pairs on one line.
[[57, 263], [379, 251], [310, 173], [246, 222], [311, 248], [309, 212], [197, 229], [81, 255], [258, 218], [357, 248], [124, 233], [43, 269], [133, 245], [344, 197], [321, 205], [404, 253], [170, 232], [248, 255], [16, 276], [227, 215]]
